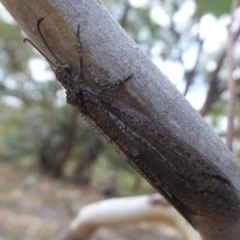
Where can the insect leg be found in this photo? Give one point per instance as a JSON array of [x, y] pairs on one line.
[[114, 85]]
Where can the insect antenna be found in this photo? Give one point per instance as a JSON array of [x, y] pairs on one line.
[[28, 40], [45, 42]]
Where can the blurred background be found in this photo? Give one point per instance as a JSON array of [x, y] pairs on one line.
[[52, 163]]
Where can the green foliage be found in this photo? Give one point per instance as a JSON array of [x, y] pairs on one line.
[[217, 7]]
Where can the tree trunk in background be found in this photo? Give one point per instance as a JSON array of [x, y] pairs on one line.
[[90, 151], [44, 153], [145, 119], [137, 183], [63, 154]]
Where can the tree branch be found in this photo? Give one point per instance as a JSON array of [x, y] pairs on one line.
[[190, 74], [231, 81], [126, 210], [146, 119], [215, 89]]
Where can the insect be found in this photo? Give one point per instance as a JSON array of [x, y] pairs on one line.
[[184, 176], [63, 72]]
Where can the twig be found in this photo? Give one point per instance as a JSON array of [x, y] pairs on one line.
[[214, 89], [231, 82]]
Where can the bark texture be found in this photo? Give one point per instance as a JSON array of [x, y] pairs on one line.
[[145, 119]]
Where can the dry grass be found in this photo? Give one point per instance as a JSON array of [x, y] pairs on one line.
[[33, 206]]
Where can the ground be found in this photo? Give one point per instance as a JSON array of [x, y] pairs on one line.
[[35, 206]]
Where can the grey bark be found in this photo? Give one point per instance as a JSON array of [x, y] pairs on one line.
[[155, 128]]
